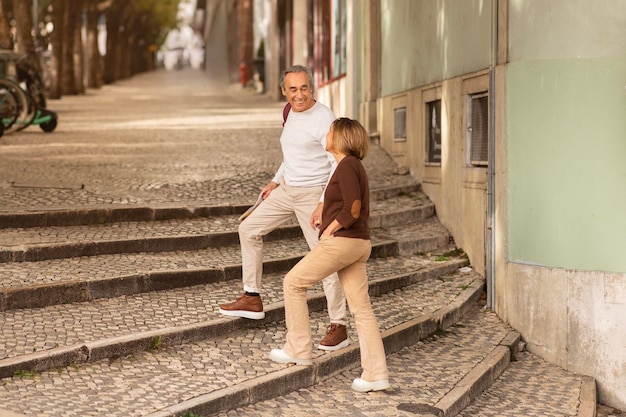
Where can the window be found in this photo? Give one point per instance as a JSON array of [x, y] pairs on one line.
[[399, 124], [327, 39], [478, 129], [433, 131]]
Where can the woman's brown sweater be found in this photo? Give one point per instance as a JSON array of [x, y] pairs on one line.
[[346, 199]]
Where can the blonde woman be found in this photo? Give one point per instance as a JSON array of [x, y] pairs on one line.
[[344, 247], [295, 190]]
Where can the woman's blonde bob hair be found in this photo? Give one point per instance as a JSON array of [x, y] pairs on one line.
[[349, 137]]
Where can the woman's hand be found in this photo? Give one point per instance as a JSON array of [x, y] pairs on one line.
[[331, 229]]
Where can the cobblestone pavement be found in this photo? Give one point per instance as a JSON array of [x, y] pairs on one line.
[[151, 140], [169, 139], [193, 369], [26, 331], [541, 390], [421, 375]]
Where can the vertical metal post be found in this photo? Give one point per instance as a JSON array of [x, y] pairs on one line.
[[491, 169]]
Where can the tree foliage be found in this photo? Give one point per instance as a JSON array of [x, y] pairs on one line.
[[135, 29]]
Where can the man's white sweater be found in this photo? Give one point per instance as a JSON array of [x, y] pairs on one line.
[[303, 141]]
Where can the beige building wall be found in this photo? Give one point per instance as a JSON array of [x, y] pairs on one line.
[[458, 190], [447, 56]]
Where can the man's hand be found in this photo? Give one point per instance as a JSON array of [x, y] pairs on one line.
[[316, 217], [265, 192]]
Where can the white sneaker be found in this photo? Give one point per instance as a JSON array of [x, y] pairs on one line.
[[278, 355], [362, 385]]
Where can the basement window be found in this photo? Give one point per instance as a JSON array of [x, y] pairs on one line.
[[399, 124], [433, 132], [478, 129]]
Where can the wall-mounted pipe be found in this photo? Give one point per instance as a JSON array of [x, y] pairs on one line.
[[491, 177]]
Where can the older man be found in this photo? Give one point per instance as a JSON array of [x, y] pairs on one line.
[[296, 189]]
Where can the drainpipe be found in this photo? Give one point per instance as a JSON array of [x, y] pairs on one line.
[[490, 273]]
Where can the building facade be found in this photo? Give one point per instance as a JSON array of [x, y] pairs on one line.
[[511, 114]]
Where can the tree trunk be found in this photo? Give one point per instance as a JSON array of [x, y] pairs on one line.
[[94, 59], [140, 58], [58, 48], [128, 50], [5, 29], [78, 53], [68, 77], [113, 36], [118, 19], [22, 11]]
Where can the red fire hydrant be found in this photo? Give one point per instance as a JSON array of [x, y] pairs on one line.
[[243, 74]]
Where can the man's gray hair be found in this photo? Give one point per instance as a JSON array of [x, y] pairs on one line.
[[296, 68]]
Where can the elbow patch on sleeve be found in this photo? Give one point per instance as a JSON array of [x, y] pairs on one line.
[[355, 210]]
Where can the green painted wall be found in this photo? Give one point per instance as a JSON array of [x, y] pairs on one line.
[[559, 29], [430, 41], [566, 151]]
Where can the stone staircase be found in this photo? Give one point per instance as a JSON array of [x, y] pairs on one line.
[[114, 312], [118, 241]]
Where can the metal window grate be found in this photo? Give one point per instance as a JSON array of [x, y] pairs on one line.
[[433, 131], [479, 129], [399, 124]]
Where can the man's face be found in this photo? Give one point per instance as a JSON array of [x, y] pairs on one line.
[[298, 91]]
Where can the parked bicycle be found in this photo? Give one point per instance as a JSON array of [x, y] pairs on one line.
[[22, 98]]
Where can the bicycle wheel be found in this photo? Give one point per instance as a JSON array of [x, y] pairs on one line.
[[22, 105], [9, 109]]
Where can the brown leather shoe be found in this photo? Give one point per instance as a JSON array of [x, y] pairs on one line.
[[335, 339], [246, 306]]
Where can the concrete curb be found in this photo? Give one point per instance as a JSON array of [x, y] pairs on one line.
[[475, 382], [80, 291], [89, 216], [113, 214], [588, 398], [41, 252]]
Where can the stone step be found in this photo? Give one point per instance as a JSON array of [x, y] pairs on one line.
[[219, 373], [55, 336], [57, 281], [529, 380], [13, 218], [176, 234]]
